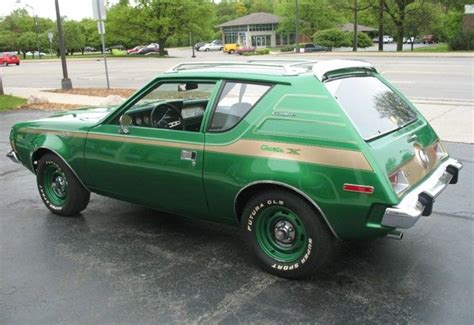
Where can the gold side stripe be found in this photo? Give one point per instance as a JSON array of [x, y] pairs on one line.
[[253, 148], [294, 152], [145, 141]]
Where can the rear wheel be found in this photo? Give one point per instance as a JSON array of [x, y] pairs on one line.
[[285, 234], [60, 190], [231, 51]]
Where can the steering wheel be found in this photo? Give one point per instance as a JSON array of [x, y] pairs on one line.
[[167, 116]]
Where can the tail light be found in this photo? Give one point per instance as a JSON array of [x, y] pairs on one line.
[[399, 181], [440, 151]]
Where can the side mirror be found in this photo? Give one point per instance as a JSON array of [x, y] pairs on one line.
[[125, 121]]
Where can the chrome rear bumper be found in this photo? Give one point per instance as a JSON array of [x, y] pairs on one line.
[[419, 201], [13, 156]]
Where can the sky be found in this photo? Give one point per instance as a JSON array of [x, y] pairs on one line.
[[73, 9]]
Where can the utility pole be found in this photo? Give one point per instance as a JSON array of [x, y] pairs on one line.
[[297, 18], [355, 40], [381, 25], [65, 82]]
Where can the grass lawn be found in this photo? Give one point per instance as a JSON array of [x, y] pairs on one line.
[[440, 47], [9, 102]]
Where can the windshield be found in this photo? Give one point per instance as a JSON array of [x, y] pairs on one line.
[[178, 91], [372, 106]]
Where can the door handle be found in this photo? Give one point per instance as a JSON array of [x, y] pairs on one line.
[[189, 155]]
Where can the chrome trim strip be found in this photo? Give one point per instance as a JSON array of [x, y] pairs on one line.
[[288, 187], [64, 160], [13, 157], [407, 212]]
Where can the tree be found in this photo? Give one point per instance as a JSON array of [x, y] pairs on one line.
[[333, 37], [422, 18], [74, 39], [354, 6], [397, 10], [167, 18], [27, 42], [313, 16]]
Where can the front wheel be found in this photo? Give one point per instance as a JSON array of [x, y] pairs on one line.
[[59, 188], [286, 234]]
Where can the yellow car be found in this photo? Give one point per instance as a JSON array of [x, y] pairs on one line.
[[231, 48]]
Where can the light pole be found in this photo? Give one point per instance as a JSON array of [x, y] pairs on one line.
[[65, 82], [35, 18], [297, 18]]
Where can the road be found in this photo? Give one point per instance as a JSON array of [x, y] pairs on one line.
[[432, 78], [120, 263]]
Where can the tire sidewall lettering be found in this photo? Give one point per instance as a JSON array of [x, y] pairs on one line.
[[284, 267]]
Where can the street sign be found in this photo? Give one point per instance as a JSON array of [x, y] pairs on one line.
[[98, 9], [50, 36], [101, 27]]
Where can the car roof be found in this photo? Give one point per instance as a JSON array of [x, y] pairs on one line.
[[255, 69]]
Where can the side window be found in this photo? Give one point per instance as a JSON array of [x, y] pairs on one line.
[[235, 101]]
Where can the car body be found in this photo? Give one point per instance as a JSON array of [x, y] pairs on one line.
[[310, 47], [231, 48], [298, 153], [429, 39], [135, 50], [8, 58], [117, 47], [386, 39], [215, 45], [245, 49], [198, 45], [89, 49]]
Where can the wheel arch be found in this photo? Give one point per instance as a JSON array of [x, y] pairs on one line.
[[41, 151], [246, 192]]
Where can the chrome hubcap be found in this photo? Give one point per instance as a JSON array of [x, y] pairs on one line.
[[59, 185], [284, 232]]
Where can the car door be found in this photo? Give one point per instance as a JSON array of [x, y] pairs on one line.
[[149, 165]]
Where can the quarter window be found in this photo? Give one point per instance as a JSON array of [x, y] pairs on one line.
[[235, 101]]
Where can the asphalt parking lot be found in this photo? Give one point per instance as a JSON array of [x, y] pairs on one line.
[[121, 263]]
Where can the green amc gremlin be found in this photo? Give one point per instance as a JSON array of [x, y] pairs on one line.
[[297, 153]]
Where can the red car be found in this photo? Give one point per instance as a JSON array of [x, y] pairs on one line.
[[245, 49], [9, 58]]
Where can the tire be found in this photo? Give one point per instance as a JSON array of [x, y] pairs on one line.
[[221, 49], [231, 51], [207, 50], [305, 242], [6, 64], [60, 190], [18, 63]]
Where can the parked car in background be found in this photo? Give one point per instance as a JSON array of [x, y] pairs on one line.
[[149, 50], [35, 53], [7, 58], [118, 47], [245, 49], [198, 45], [310, 47], [90, 49], [215, 45], [135, 49], [231, 48], [429, 39], [409, 40], [298, 154], [386, 39]]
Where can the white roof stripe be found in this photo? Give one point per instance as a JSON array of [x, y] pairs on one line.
[[323, 67]]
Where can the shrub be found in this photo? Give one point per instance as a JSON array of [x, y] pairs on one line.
[[463, 41], [263, 51], [287, 48], [333, 37], [363, 40]]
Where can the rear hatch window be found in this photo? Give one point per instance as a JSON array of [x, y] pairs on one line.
[[372, 106]]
